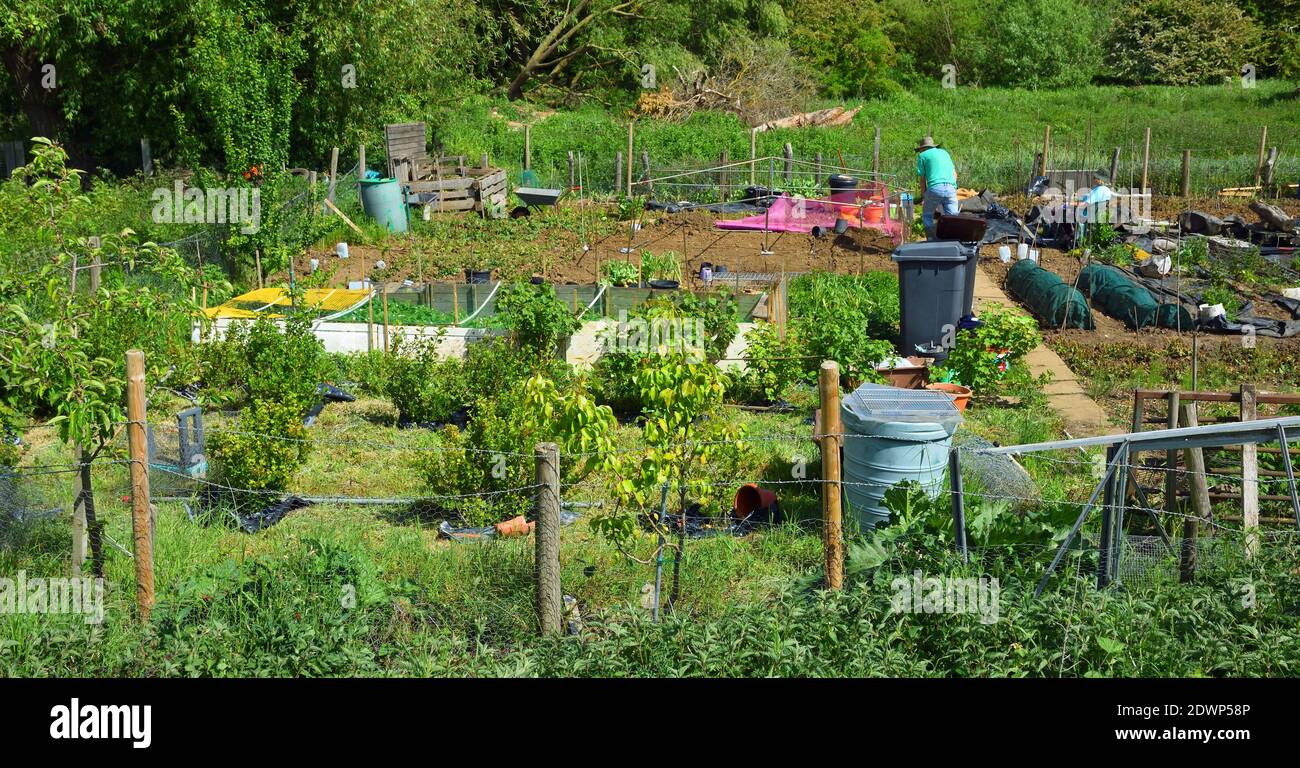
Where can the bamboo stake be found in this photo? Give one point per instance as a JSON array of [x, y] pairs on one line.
[[385, 294]]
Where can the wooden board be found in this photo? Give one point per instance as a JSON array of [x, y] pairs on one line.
[[405, 141]]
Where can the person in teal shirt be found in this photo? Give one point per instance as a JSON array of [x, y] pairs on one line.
[[938, 174]]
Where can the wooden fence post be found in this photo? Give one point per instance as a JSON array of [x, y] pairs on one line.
[[1270, 165], [875, 156], [1114, 167], [573, 178], [1146, 162], [629, 158], [723, 173], [1187, 173], [788, 152], [1047, 143], [361, 162], [832, 525], [334, 173], [1199, 492], [618, 172], [95, 266], [549, 595], [146, 157], [1250, 474], [370, 320], [753, 155], [1263, 144], [141, 528], [645, 160]]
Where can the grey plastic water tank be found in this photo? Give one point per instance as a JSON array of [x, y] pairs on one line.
[[893, 435]]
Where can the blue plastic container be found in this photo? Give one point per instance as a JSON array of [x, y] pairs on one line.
[[382, 201], [893, 435]]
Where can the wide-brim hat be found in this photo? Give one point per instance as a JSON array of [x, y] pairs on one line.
[[926, 143], [1101, 175]]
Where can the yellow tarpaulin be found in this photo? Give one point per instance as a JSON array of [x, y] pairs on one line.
[[263, 301]]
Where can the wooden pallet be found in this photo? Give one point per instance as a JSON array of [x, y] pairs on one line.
[[405, 144]]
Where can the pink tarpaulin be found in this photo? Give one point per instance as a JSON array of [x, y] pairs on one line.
[[788, 214]]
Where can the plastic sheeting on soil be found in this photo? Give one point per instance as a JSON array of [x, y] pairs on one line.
[[787, 214], [1054, 301], [264, 301], [1115, 294]]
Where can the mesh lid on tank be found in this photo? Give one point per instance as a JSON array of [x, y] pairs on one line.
[[873, 404]]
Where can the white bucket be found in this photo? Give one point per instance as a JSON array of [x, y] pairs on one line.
[[1033, 256], [342, 250], [315, 264], [1004, 253], [1022, 251], [1211, 311], [1291, 293]]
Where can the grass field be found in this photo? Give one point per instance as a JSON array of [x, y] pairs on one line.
[[340, 589], [992, 133]]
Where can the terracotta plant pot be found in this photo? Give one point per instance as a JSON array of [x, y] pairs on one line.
[[517, 526], [758, 502], [960, 395]]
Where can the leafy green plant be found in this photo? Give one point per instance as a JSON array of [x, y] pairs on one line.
[[989, 359], [262, 453], [620, 272], [536, 317], [849, 319], [285, 365], [772, 365], [1219, 293], [630, 208], [422, 386], [481, 469], [682, 434], [662, 266]]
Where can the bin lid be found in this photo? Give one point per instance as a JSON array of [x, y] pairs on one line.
[[873, 404], [933, 250]]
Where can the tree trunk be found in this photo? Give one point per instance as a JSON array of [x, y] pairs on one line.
[[39, 105]]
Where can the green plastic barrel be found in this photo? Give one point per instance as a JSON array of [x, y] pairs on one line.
[[382, 201]]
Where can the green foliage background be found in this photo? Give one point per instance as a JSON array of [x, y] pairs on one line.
[[230, 83]]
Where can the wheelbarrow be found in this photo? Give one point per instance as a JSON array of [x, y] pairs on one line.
[[534, 197]]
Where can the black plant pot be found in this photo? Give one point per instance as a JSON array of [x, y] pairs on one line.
[[664, 285]]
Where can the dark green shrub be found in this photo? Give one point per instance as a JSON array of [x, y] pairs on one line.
[[536, 317], [264, 449], [262, 361], [422, 386], [1170, 42]]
